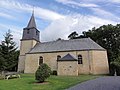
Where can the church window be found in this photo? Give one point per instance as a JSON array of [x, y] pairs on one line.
[[80, 59], [28, 31], [58, 57], [40, 60]]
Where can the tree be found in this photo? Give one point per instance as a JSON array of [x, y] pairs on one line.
[[8, 53], [115, 66], [42, 73], [1, 62], [73, 35], [107, 36]]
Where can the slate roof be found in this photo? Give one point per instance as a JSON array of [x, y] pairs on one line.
[[31, 32], [32, 22], [66, 45], [68, 57]]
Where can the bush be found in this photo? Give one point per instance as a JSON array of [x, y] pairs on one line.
[[42, 73], [112, 69], [115, 67], [118, 70]]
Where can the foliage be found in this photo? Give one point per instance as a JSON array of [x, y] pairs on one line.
[[73, 35], [8, 53], [115, 66], [42, 73], [27, 82], [107, 36]]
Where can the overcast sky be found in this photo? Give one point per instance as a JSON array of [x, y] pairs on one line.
[[57, 18]]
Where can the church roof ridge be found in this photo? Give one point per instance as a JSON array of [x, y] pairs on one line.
[[64, 40], [66, 45]]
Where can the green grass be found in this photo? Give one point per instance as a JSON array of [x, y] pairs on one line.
[[27, 82]]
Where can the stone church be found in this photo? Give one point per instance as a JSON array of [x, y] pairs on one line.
[[67, 57]]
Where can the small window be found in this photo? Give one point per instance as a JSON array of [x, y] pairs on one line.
[[40, 60], [58, 57], [36, 32], [80, 59], [28, 31]]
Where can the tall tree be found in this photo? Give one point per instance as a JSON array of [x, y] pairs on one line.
[[8, 53], [108, 36], [73, 35]]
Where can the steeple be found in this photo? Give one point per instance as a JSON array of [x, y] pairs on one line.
[[31, 32], [32, 22]]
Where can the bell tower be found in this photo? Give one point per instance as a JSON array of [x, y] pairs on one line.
[[29, 39]]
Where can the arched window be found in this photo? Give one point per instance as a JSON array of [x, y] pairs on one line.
[[40, 60], [80, 59], [58, 57]]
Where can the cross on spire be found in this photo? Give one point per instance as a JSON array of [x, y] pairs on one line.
[[31, 32], [33, 10], [32, 22]]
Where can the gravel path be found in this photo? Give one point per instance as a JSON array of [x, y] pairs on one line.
[[102, 83]]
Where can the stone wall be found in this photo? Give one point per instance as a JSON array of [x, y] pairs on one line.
[[91, 61], [51, 60], [100, 62], [25, 47], [68, 68]]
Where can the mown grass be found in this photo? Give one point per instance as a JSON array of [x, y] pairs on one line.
[[27, 82]]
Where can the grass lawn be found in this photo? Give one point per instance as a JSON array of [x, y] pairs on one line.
[[27, 82]]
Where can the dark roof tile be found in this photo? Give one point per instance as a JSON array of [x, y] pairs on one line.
[[66, 45], [68, 57]]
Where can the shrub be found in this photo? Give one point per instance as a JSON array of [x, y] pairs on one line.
[[115, 66], [42, 73], [118, 70], [112, 69]]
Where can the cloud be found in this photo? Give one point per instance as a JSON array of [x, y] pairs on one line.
[[105, 14], [63, 27], [6, 15], [115, 1], [80, 4], [39, 12], [47, 14]]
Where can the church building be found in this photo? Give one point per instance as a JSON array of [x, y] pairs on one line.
[[67, 57]]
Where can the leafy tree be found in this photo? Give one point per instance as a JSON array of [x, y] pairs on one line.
[[73, 35], [42, 73], [115, 66], [8, 53], [108, 36]]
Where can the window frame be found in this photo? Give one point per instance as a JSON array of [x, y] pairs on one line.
[[28, 31], [40, 60], [80, 59], [58, 57]]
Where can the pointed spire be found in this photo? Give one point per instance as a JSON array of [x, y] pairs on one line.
[[32, 21], [31, 32]]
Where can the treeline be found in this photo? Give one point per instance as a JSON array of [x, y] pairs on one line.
[[8, 53], [107, 36]]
